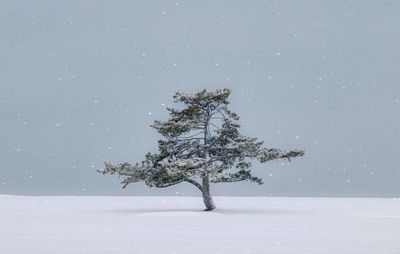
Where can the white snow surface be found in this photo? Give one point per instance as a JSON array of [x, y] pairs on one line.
[[60, 224]]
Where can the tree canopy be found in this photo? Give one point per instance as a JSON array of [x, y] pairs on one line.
[[201, 145]]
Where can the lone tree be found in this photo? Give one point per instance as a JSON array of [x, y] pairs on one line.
[[201, 145]]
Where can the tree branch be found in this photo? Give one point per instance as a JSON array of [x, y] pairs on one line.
[[273, 154], [194, 183], [169, 184]]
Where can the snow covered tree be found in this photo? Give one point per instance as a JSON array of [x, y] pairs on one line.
[[201, 145]]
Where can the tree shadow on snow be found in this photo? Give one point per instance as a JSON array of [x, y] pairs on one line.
[[152, 211], [188, 211], [258, 212]]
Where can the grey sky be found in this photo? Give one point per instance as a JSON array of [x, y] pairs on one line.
[[81, 81]]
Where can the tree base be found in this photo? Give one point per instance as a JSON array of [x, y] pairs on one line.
[[209, 209]]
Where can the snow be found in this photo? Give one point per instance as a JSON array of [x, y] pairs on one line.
[[55, 224]]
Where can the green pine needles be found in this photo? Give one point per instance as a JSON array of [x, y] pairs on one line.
[[202, 145]]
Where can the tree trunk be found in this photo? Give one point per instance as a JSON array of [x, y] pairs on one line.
[[207, 199]]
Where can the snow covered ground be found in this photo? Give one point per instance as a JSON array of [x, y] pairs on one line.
[[178, 225]]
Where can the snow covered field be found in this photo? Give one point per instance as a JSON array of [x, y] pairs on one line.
[[178, 225]]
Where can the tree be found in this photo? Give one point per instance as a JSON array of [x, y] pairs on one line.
[[201, 145]]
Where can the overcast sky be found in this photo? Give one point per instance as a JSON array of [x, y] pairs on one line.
[[81, 81]]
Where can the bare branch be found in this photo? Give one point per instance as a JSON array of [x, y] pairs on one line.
[[194, 183]]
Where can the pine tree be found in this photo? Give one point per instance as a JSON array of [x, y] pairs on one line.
[[201, 145]]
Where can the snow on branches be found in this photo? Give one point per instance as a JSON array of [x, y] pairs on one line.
[[201, 141]]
